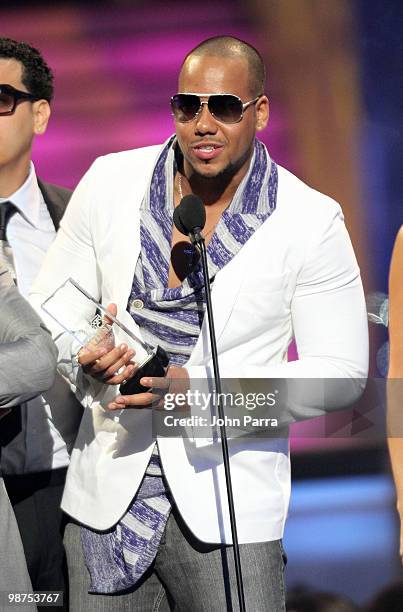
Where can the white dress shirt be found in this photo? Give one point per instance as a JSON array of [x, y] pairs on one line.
[[30, 233]]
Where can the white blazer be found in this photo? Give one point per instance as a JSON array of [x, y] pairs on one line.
[[296, 277]]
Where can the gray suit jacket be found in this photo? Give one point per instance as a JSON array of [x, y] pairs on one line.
[[13, 571], [27, 352]]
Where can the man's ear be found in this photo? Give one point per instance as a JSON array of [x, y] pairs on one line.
[[262, 113], [41, 111]]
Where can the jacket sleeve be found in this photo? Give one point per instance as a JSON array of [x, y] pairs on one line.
[[72, 254], [330, 329], [27, 352]]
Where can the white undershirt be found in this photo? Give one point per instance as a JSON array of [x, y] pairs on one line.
[[30, 233]]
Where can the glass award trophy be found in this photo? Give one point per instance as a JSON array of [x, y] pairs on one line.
[[92, 327]]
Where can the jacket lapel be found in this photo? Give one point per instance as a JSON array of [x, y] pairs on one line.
[[224, 294], [56, 200]]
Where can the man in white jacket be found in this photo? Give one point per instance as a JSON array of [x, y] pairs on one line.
[[151, 521]]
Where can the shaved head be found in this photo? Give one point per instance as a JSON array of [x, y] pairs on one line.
[[230, 47]]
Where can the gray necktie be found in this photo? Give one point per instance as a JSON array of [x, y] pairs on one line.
[[7, 210]]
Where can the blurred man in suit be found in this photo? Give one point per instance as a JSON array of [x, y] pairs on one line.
[[27, 367], [40, 432]]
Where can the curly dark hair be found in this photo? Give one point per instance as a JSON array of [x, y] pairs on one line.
[[36, 74]]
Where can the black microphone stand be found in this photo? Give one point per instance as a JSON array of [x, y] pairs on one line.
[[198, 239]]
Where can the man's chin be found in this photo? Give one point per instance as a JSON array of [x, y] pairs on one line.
[[213, 171], [207, 168]]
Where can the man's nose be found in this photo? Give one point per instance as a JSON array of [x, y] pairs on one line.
[[205, 122]]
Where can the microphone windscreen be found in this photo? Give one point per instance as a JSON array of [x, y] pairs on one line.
[[189, 214]]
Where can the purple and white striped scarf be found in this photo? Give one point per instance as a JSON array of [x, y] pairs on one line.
[[172, 317]]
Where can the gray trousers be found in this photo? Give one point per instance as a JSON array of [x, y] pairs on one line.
[[14, 576], [187, 576]]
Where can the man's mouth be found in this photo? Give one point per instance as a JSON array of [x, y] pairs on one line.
[[207, 151]]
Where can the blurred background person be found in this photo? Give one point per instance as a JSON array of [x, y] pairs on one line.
[[317, 601], [27, 368], [389, 599]]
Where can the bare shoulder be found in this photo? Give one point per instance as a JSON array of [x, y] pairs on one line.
[[399, 240], [396, 305], [396, 268], [396, 309]]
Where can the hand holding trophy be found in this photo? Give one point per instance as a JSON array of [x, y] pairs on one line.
[[98, 355], [100, 358]]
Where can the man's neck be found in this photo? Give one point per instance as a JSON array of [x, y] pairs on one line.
[[213, 191], [12, 177]]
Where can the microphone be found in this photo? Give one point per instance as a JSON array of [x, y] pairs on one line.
[[190, 217]]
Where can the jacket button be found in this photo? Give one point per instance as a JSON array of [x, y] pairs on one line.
[[138, 304]]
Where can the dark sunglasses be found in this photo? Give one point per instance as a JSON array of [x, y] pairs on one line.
[[11, 97], [226, 108]]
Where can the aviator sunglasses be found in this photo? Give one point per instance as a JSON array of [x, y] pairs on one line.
[[226, 108], [11, 97]]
